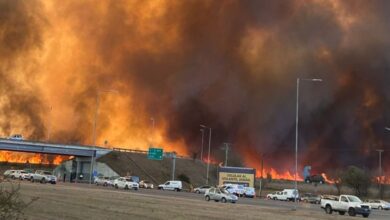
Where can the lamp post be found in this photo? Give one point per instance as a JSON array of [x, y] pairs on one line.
[[226, 148], [201, 150], [380, 151], [152, 119], [94, 129], [208, 155], [296, 136]]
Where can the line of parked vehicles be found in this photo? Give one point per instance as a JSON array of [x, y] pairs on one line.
[[41, 176]]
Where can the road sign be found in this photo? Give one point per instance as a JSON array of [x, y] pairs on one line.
[[155, 154]]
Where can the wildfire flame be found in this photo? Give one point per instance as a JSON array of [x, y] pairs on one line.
[[13, 157]]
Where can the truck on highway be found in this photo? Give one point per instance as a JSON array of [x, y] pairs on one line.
[[43, 177], [346, 203]]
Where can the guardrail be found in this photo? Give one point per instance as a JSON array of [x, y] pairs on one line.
[[144, 152]]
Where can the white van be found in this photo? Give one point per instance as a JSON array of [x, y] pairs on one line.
[[291, 194], [171, 185]]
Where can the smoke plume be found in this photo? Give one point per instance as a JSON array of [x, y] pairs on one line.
[[231, 65]]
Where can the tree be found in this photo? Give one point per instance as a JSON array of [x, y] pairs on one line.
[[336, 176], [359, 180]]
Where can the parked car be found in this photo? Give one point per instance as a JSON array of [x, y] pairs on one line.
[[235, 189], [272, 195], [201, 189], [16, 137], [125, 183], [43, 177], [315, 179], [249, 192], [102, 180], [112, 180], [379, 204], [20, 174], [171, 185], [8, 173], [346, 203], [220, 194], [311, 198], [146, 184]]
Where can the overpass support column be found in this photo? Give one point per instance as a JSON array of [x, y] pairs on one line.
[[77, 170]]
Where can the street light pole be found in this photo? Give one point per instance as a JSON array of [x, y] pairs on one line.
[[201, 150], [226, 152], [152, 119], [94, 130], [208, 155], [296, 137], [380, 151]]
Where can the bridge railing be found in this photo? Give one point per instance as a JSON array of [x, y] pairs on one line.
[[144, 152]]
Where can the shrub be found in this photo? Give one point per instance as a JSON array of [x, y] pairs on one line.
[[359, 180]]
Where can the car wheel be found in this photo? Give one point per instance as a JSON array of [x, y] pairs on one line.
[[380, 207], [104, 184], [116, 186], [197, 191], [341, 213], [207, 198], [351, 212], [13, 177], [126, 187], [274, 198], [43, 180], [328, 209], [20, 178], [32, 180], [223, 200]]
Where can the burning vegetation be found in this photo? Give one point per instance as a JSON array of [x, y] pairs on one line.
[[231, 65]]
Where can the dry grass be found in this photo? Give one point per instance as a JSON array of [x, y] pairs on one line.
[[72, 202]]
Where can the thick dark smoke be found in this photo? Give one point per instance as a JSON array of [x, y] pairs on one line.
[[231, 65], [20, 35]]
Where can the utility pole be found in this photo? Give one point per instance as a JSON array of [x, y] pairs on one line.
[[380, 151], [152, 119], [226, 148]]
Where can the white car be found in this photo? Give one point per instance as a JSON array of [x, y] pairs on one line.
[[249, 192], [101, 180], [16, 137], [235, 189], [125, 183], [273, 195], [20, 174], [43, 177], [220, 194], [379, 204], [201, 189], [8, 173], [146, 184], [171, 185]]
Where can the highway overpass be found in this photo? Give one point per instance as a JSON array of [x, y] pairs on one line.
[[49, 148]]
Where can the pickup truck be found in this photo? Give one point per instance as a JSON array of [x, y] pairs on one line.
[[346, 203], [43, 177]]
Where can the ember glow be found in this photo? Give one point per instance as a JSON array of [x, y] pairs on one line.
[[25, 158], [231, 65]]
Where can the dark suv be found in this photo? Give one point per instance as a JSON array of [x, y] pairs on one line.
[[315, 179]]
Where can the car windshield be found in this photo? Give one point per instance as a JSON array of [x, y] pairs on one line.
[[47, 173], [240, 187], [354, 199]]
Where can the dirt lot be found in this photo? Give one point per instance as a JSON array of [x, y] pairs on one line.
[[81, 202]]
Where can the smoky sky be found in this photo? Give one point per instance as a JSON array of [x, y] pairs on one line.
[[231, 65]]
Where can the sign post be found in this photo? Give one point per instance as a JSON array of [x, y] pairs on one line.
[[155, 154]]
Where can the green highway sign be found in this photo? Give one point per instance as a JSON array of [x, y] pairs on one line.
[[155, 154]]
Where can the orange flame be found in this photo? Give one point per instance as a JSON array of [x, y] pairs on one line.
[[14, 157]]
